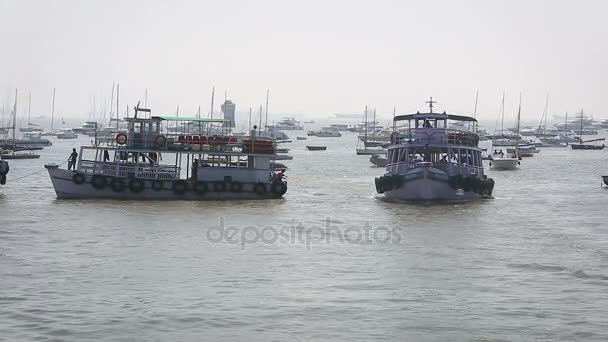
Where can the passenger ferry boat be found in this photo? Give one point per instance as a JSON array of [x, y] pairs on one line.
[[147, 163], [427, 160]]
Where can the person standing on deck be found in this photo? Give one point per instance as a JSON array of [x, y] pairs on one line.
[[194, 169], [72, 160]]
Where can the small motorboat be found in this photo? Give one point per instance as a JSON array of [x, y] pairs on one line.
[[378, 160], [316, 148], [301, 138]]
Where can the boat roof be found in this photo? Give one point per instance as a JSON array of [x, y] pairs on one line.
[[441, 116], [176, 118]]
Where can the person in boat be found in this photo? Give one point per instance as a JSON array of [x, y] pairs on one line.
[[279, 176], [106, 156], [72, 160], [152, 158], [194, 169]]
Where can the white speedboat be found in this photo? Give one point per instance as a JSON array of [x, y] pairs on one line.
[[190, 168], [66, 134], [500, 161], [434, 162]]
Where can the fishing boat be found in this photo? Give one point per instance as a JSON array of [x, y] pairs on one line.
[[148, 164], [4, 169], [316, 148], [66, 133], [431, 161]]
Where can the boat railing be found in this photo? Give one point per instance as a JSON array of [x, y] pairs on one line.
[[141, 171], [440, 137], [450, 168]]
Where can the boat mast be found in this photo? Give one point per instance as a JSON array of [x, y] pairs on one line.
[[374, 129], [566, 122], [117, 110], [365, 131], [546, 114], [53, 111], [29, 110], [475, 110], [267, 94], [517, 125], [260, 126], [212, 97], [14, 119], [249, 128], [394, 113]]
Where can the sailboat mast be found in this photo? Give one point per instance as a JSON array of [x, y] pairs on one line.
[[502, 114], [475, 110], [394, 114], [546, 114], [374, 127], [53, 111], [365, 132], [29, 110], [267, 94], [15, 117], [249, 128], [260, 126], [117, 96], [212, 98]]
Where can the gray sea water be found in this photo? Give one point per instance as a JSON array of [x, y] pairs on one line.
[[328, 262]]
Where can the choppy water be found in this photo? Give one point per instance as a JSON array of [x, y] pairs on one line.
[[531, 264]]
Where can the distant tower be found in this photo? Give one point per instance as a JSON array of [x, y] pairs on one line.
[[229, 108]]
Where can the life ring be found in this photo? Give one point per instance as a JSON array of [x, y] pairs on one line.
[[180, 187], [136, 185], [160, 141], [279, 188], [78, 178], [157, 185], [98, 182], [4, 168], [260, 188], [121, 138], [236, 187], [2, 179], [219, 186], [118, 185], [200, 188]]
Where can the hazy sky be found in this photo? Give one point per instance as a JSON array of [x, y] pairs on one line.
[[317, 57]]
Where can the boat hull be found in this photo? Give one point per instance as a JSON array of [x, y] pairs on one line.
[[427, 184], [66, 188], [504, 164], [586, 147]]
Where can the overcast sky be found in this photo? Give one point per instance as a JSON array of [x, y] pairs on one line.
[[316, 57]]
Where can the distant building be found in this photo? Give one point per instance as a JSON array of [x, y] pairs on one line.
[[229, 108]]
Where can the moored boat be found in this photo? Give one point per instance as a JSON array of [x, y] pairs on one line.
[[316, 148], [430, 161], [146, 164]]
